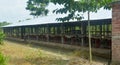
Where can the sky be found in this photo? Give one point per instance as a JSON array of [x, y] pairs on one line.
[[14, 10]]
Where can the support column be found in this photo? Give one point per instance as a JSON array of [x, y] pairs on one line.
[[82, 38], [116, 31], [48, 33]]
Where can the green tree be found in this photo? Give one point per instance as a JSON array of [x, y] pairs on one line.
[[74, 8], [38, 7], [4, 23], [1, 32], [2, 36], [3, 59]]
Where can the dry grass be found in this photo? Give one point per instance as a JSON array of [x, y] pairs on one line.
[[25, 55], [20, 54], [81, 61]]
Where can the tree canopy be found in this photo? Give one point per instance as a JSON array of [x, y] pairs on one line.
[[73, 7], [37, 7], [4, 23]]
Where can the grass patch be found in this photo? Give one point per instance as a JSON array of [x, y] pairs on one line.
[[3, 59], [45, 59], [26, 55], [81, 53]]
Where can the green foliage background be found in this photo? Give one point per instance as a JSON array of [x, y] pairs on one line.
[[3, 59]]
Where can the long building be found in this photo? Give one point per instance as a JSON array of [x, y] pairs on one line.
[[71, 33]]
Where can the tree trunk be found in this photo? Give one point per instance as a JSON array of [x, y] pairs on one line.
[[89, 33]]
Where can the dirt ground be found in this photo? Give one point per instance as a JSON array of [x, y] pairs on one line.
[[26, 54]]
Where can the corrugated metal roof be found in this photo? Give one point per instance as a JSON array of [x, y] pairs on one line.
[[40, 20]]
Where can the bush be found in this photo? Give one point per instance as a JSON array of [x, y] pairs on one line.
[[2, 36], [3, 59]]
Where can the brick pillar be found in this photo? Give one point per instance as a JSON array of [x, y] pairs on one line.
[[116, 31]]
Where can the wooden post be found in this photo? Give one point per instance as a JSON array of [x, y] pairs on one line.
[[82, 38], [62, 33], [48, 32]]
